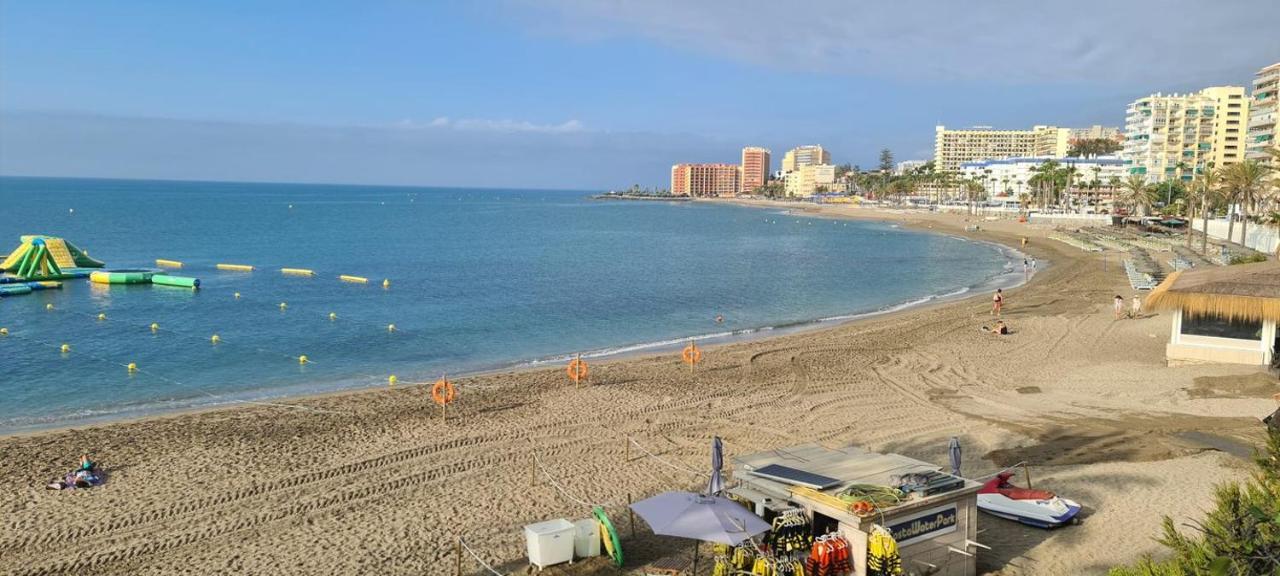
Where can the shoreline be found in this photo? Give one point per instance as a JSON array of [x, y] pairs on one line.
[[1006, 280], [374, 481]]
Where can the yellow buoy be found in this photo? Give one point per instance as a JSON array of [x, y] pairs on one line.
[[65, 348], [298, 272], [283, 305], [353, 279], [237, 295], [391, 380], [132, 367], [391, 327], [303, 359], [102, 316], [4, 331], [386, 283], [333, 316], [235, 267], [155, 327], [168, 263], [48, 306], [215, 339]]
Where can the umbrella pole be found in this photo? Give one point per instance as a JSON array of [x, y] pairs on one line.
[[695, 558]]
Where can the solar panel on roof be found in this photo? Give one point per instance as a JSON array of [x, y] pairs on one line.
[[789, 475]]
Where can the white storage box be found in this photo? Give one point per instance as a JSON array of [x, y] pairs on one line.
[[586, 539], [550, 542]]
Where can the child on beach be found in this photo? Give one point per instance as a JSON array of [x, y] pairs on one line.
[[1118, 305], [997, 301], [1136, 308]]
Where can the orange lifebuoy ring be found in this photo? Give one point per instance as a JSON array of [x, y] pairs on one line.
[[577, 370], [691, 354], [443, 392]]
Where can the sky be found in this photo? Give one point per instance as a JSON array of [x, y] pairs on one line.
[[573, 94]]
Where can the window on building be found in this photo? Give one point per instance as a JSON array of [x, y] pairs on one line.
[[1221, 328]]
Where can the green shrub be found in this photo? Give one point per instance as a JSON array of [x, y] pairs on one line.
[[1240, 535], [1249, 258]]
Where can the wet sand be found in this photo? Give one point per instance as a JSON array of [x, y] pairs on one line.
[[376, 482]]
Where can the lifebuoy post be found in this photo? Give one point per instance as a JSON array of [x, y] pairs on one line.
[[577, 369], [691, 355], [443, 393]]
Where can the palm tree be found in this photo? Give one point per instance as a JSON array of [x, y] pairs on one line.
[[1135, 192], [1203, 191], [1070, 173], [973, 190], [1097, 184], [1246, 181]]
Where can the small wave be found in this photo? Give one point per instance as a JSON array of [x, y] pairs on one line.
[[743, 333]]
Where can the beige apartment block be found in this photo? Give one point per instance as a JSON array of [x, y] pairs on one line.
[[1176, 136], [955, 147]]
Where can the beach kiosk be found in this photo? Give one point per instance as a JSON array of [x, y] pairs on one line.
[[936, 529], [1227, 314]]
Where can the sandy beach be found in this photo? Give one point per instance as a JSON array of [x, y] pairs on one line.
[[374, 482]]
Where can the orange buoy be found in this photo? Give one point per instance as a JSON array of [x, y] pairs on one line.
[[691, 354], [577, 370], [443, 392]]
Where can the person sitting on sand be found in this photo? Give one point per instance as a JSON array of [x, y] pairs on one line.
[[999, 328], [85, 476]]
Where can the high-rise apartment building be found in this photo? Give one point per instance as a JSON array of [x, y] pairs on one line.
[[951, 148], [810, 179], [1177, 135], [804, 156], [1263, 111], [755, 168], [1097, 132], [705, 180]]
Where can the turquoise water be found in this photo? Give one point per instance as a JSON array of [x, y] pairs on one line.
[[480, 279]]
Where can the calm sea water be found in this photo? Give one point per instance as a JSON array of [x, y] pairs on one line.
[[480, 279]]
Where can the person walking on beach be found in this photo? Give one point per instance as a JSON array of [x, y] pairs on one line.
[[1136, 308], [997, 301], [1118, 304]]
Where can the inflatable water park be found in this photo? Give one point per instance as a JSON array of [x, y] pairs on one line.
[[42, 262]]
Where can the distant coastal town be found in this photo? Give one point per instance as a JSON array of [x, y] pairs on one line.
[[1176, 154]]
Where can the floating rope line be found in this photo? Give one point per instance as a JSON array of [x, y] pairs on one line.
[[478, 558], [156, 329], [135, 369]]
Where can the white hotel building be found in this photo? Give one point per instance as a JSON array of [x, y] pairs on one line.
[[1007, 178]]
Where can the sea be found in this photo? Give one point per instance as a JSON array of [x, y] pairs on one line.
[[477, 280]]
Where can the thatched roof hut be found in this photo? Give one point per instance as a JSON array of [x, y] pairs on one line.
[[1249, 292]]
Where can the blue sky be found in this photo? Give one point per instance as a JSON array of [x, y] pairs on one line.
[[572, 93]]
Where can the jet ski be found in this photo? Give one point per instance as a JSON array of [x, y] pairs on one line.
[[1039, 508]]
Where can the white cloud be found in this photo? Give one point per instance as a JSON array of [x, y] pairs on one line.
[[1013, 41], [490, 125]]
